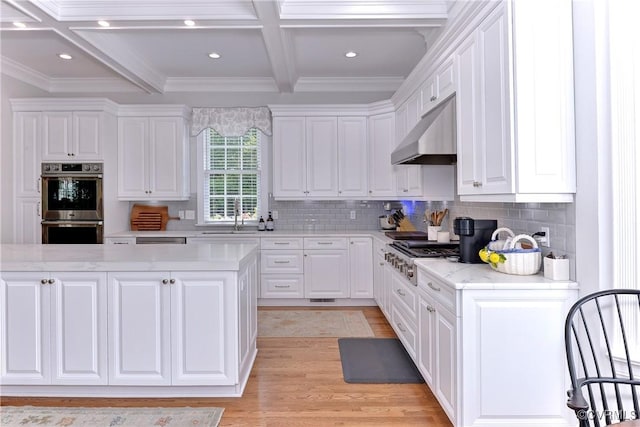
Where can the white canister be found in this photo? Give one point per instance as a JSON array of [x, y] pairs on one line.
[[443, 237], [432, 232]]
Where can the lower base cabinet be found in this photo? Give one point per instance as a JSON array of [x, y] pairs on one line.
[[53, 328], [494, 357]]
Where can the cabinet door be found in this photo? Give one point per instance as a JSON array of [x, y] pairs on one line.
[[326, 274], [27, 137], [445, 359], [382, 181], [166, 154], [203, 331], [426, 337], [87, 135], [57, 135], [494, 126], [361, 267], [429, 92], [139, 328], [352, 156], [378, 279], [79, 328], [322, 156], [133, 160], [467, 113], [27, 214], [25, 328], [289, 157], [446, 80]]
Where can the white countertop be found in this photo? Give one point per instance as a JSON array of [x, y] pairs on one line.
[[482, 276], [158, 257], [256, 234]]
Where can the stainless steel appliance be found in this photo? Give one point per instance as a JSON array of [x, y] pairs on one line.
[[474, 235], [72, 208], [402, 253], [152, 240]]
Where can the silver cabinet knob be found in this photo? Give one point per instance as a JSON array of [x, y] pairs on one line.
[[172, 281], [43, 281], [52, 281], [165, 281]]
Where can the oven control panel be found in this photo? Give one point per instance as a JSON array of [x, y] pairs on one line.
[[71, 168]]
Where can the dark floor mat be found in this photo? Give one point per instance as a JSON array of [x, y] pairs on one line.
[[376, 361]]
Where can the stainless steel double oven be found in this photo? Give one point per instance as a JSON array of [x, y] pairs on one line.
[[72, 210]]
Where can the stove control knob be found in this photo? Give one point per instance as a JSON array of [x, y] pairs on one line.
[[409, 271], [86, 167], [96, 168], [46, 167], [55, 167]]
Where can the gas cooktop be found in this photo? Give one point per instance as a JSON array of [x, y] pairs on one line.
[[425, 249]]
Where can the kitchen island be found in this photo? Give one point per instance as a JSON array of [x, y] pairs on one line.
[[124, 321]]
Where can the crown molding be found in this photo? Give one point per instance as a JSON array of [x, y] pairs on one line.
[[220, 84], [64, 104], [154, 110], [303, 110], [381, 107], [24, 74], [348, 84]]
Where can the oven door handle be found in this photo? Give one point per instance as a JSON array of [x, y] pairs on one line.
[[65, 222]]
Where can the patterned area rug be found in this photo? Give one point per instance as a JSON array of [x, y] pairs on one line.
[[11, 416], [313, 323]]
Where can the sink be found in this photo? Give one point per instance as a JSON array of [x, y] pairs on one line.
[[226, 232]]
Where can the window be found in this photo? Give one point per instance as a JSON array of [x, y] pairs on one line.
[[230, 177]]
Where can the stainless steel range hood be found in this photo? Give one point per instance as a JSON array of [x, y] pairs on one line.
[[433, 140]]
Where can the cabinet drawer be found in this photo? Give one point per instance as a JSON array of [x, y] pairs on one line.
[[281, 243], [282, 286], [325, 243], [405, 294], [281, 262], [438, 290], [405, 329]]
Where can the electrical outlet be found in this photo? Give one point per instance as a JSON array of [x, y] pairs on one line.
[[546, 239], [274, 214], [352, 215], [190, 214], [181, 214]]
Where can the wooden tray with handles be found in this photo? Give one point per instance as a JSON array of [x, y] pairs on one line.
[[150, 218]]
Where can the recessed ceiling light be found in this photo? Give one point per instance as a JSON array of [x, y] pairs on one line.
[[103, 23], [214, 55], [65, 56], [351, 54], [189, 23], [20, 24]]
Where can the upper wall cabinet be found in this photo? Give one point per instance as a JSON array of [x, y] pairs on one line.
[[72, 135], [514, 104], [319, 157], [153, 155], [438, 86]]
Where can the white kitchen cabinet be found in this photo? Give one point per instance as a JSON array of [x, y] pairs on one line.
[[28, 216], [378, 273], [53, 328], [282, 267], [515, 108], [27, 137], [403, 307], [352, 157], [326, 267], [474, 341], [72, 135], [153, 158], [436, 355], [382, 179], [408, 178], [318, 157], [361, 267], [322, 156], [438, 86], [172, 328]]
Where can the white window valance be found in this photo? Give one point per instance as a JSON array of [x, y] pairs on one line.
[[231, 121]]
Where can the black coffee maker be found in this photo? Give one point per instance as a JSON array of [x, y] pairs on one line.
[[474, 235]]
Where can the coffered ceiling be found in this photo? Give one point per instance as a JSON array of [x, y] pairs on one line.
[[280, 46]]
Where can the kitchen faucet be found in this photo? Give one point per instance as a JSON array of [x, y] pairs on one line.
[[236, 212]]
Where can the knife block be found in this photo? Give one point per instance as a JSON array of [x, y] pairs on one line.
[[405, 225]]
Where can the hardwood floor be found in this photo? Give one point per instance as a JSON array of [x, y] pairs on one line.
[[298, 382]]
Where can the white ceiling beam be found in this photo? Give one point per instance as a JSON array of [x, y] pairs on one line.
[[278, 45]]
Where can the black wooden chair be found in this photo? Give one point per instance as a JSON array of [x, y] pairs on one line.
[[604, 389]]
